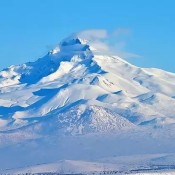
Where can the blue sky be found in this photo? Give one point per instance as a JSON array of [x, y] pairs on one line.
[[29, 28]]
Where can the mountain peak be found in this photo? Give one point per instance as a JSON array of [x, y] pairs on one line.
[[71, 44], [74, 39]]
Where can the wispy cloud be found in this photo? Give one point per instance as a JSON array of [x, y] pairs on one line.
[[121, 31], [94, 34], [110, 42]]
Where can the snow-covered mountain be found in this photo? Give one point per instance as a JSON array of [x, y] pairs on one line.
[[78, 91]]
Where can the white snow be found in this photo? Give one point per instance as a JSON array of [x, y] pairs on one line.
[[82, 94]]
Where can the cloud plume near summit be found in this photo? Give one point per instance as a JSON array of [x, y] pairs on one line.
[[109, 42]]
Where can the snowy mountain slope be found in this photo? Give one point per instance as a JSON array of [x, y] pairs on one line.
[[78, 92], [72, 72]]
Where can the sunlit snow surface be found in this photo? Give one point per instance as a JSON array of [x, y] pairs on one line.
[[76, 106]]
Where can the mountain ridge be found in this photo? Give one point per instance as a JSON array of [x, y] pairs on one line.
[[78, 108], [73, 72]]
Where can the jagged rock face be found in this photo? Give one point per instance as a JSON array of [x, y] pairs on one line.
[[72, 81]]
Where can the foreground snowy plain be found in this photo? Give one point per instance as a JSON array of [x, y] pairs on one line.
[[78, 110]]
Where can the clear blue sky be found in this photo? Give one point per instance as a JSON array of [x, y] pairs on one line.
[[29, 28]]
